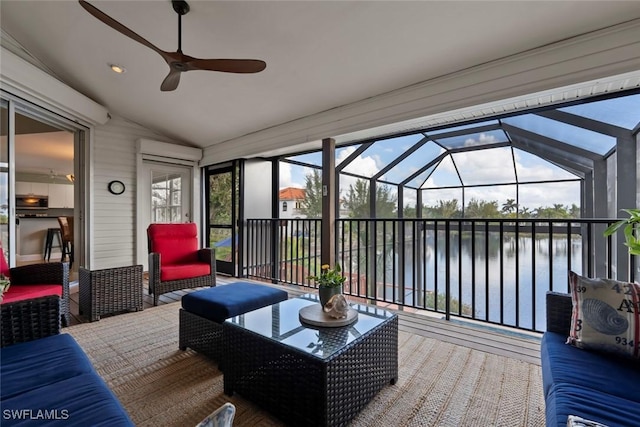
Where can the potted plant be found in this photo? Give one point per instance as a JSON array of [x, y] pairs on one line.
[[329, 282], [630, 225]]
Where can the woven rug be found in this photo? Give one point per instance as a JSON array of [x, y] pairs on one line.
[[439, 384]]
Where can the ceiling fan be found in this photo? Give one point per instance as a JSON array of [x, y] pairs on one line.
[[179, 62]]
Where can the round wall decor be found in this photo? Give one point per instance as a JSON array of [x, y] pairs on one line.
[[116, 187]]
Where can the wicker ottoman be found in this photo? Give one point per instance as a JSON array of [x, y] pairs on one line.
[[203, 313], [110, 291]]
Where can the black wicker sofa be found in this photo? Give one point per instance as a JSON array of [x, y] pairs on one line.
[[47, 379]]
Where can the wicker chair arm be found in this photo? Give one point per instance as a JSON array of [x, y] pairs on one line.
[[154, 270], [208, 255], [38, 274], [559, 310]]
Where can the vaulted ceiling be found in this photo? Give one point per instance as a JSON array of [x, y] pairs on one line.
[[320, 55]]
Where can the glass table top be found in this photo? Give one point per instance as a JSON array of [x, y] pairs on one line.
[[281, 323]]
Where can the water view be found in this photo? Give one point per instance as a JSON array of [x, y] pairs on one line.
[[502, 281]]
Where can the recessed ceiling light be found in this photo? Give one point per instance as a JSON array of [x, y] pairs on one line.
[[117, 68]]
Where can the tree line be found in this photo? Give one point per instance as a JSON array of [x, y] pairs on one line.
[[356, 204]]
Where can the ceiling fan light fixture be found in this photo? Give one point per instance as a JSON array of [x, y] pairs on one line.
[[177, 61], [119, 69]]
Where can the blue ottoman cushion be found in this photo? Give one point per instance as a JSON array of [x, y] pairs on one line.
[[225, 301]]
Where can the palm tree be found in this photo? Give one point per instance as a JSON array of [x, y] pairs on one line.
[[509, 206]]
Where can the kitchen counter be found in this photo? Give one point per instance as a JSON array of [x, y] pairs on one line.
[[31, 232], [32, 235]]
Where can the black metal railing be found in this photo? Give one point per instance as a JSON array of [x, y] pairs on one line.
[[491, 270]]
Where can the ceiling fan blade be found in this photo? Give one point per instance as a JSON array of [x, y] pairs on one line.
[[227, 65], [119, 27], [171, 81]]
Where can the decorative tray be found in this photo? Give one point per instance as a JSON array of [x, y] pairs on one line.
[[314, 315]]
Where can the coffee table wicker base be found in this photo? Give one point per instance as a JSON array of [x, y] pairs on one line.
[[302, 389]]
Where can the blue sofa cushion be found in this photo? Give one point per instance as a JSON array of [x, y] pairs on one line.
[[82, 400], [591, 404], [30, 365], [50, 381], [225, 301], [565, 364]]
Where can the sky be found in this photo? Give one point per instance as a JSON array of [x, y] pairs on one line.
[[494, 166], [490, 166]]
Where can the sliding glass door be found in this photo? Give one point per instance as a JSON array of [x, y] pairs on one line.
[[5, 211], [39, 158]]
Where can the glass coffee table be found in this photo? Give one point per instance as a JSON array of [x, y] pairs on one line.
[[306, 375]]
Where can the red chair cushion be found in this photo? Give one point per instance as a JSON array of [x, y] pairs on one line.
[[19, 292], [176, 243], [184, 271]]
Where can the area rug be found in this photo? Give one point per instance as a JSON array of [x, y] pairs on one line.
[[439, 384]]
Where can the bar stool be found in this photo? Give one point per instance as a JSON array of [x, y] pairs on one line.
[[48, 243], [66, 231]]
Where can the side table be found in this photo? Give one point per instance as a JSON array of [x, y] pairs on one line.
[[109, 291]]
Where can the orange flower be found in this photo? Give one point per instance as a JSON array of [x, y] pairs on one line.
[[328, 277]]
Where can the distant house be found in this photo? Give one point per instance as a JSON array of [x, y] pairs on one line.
[[290, 202]]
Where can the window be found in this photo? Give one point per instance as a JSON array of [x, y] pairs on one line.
[[166, 202]]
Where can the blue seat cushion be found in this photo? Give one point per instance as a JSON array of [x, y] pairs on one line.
[[50, 381], [564, 364], [30, 365], [82, 400], [225, 301], [590, 404]]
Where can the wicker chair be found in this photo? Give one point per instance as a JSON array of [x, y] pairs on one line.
[[175, 261], [29, 319], [54, 273]]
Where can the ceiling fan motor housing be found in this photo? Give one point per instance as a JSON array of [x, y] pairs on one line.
[[180, 6]]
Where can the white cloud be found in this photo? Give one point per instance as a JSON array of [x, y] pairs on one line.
[[482, 139], [537, 195], [365, 166], [485, 166], [431, 197], [285, 175], [538, 170], [293, 175], [499, 194]]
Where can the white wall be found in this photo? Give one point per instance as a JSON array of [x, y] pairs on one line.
[[114, 217]]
